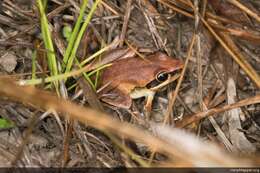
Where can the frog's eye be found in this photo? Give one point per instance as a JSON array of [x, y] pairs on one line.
[[162, 76]]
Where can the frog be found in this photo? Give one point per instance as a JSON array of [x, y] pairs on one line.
[[133, 78]]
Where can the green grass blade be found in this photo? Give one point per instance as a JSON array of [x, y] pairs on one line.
[[4, 123], [86, 76], [95, 55], [74, 33], [80, 34], [46, 34], [98, 72], [63, 76]]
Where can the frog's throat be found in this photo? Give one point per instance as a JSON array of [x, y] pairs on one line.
[[141, 92]]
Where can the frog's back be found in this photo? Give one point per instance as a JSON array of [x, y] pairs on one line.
[[137, 71]]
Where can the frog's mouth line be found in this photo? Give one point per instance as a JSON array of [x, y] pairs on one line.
[[155, 85]]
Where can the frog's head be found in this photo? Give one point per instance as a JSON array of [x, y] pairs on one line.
[[163, 68]]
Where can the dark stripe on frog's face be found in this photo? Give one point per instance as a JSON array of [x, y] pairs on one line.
[[156, 82]]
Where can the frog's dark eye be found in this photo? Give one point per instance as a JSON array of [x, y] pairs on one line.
[[162, 76]]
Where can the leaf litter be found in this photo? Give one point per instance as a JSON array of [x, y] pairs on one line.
[[217, 98]]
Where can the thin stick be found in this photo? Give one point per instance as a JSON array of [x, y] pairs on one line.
[[125, 24], [198, 116], [176, 9], [174, 95], [241, 61], [90, 117], [109, 8], [245, 9]]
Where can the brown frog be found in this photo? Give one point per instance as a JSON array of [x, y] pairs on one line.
[[134, 77]]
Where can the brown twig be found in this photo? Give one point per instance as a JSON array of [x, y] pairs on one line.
[[109, 8], [211, 19], [90, 117], [176, 9], [245, 9], [198, 116], [101, 121], [174, 94], [243, 34], [238, 58], [126, 19]]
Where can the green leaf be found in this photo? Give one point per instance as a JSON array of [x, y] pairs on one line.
[[66, 32], [5, 123]]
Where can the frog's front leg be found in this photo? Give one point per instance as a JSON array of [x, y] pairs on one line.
[[148, 94], [148, 105]]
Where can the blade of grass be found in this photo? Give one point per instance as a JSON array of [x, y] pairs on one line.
[[104, 48], [98, 72], [93, 66], [79, 36], [44, 3], [74, 33], [46, 34], [5, 124], [86, 76], [97, 79], [63, 76], [72, 73], [95, 55]]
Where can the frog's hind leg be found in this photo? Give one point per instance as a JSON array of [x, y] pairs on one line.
[[118, 99]]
